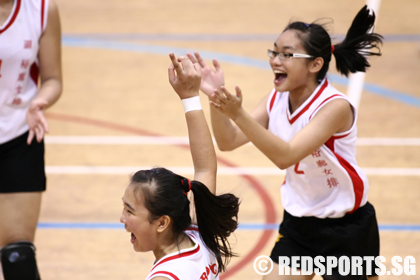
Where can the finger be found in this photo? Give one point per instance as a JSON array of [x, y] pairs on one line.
[[44, 122], [30, 137], [197, 68], [238, 92], [217, 65], [175, 63], [192, 58], [215, 105], [226, 93], [219, 97], [200, 60], [187, 65], [39, 133], [171, 74], [213, 97]]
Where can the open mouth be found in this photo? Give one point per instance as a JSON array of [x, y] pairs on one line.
[[280, 76], [133, 238]]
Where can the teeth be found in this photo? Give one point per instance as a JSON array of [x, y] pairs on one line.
[[279, 72]]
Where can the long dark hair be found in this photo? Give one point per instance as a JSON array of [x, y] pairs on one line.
[[164, 193], [351, 54]]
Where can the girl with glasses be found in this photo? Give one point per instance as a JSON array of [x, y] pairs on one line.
[[307, 127]]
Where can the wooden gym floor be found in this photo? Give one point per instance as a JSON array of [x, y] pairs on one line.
[[115, 60]]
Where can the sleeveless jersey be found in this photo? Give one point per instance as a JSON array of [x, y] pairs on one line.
[[327, 183], [196, 263], [19, 67]]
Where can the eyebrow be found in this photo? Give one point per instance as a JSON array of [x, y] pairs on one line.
[[284, 47], [128, 205]]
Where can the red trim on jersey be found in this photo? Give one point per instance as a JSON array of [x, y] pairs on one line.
[[193, 228], [34, 73], [273, 98], [322, 103], [291, 121], [358, 185], [166, 273], [42, 14], [178, 256], [13, 17]]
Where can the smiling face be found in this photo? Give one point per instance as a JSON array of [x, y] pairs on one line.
[[135, 218], [291, 74]]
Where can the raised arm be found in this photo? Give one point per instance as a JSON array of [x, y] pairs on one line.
[[185, 77]]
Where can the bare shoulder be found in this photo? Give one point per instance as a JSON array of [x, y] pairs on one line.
[[339, 113], [52, 6], [52, 11]]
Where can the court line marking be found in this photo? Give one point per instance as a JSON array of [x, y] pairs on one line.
[[116, 170], [221, 37], [268, 204], [80, 41], [244, 226], [155, 140]]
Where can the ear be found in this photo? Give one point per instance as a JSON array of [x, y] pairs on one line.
[[163, 223], [316, 65]]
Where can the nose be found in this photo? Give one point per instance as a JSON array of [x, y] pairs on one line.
[[122, 219], [276, 60]]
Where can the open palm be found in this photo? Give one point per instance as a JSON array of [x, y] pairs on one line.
[[211, 79]]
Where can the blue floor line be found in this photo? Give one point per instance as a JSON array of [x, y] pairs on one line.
[[87, 42], [222, 37]]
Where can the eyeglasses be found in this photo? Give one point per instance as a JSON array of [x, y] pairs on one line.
[[286, 56]]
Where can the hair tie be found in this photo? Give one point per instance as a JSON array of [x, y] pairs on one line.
[[186, 183], [332, 48]]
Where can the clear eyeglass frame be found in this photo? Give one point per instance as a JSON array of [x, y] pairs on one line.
[[285, 56]]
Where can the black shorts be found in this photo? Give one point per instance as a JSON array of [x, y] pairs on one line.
[[354, 234], [22, 167]]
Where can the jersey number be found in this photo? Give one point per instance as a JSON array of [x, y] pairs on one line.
[[296, 169]]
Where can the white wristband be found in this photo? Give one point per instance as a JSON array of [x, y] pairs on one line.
[[192, 104]]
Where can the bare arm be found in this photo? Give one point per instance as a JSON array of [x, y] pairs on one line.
[[227, 134], [336, 116], [185, 79], [50, 72]]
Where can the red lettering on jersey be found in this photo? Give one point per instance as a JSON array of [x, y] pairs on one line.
[[24, 64], [21, 77], [327, 172], [332, 182], [317, 153], [27, 44], [19, 90], [296, 169], [210, 268], [0, 66], [213, 268], [17, 101], [321, 163]]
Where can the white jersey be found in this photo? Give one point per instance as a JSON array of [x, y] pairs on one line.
[[327, 183], [19, 68], [196, 263]]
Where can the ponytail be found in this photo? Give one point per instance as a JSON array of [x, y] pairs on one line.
[[351, 54], [165, 193], [216, 219]]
